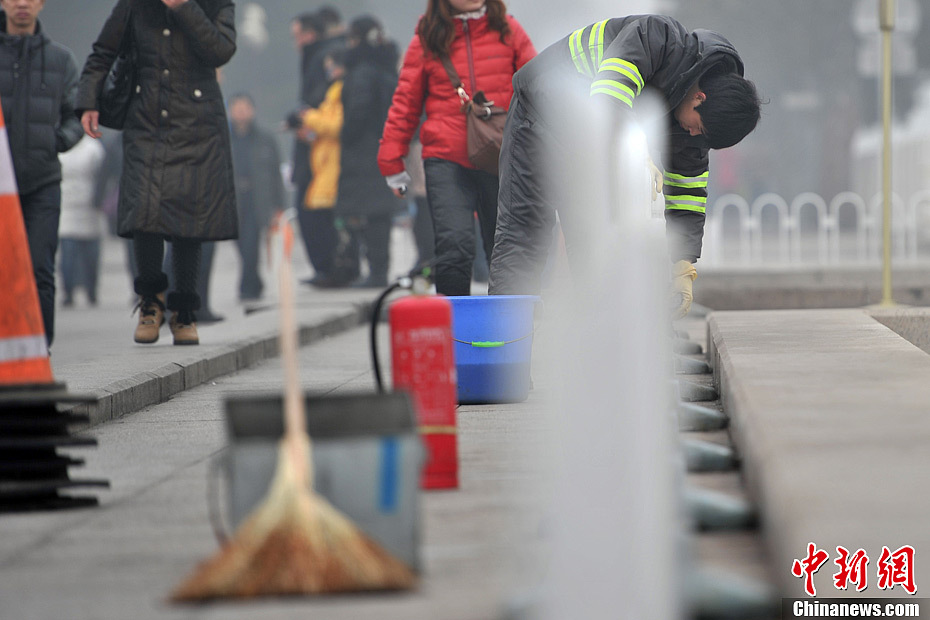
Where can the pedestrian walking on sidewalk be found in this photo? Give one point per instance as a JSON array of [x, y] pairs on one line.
[[177, 181], [259, 188], [82, 221], [605, 66], [38, 79], [486, 47]]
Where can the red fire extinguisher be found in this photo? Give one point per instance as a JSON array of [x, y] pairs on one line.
[[422, 364]]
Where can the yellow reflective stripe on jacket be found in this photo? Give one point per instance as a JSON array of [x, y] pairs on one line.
[[607, 89], [578, 55], [596, 42], [678, 180], [687, 203], [626, 68], [612, 83]]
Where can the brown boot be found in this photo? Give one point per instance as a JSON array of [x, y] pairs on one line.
[[151, 317], [184, 328]]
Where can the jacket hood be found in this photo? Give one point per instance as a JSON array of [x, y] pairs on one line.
[[709, 49]]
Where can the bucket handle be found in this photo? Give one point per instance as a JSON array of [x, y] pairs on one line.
[[492, 344]]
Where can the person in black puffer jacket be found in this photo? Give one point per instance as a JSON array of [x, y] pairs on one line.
[[177, 182], [38, 78], [365, 204]]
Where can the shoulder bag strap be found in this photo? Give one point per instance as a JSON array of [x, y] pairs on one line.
[[455, 79]]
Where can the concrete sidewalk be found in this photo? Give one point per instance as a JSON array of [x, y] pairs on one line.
[[121, 560], [481, 543], [94, 353]]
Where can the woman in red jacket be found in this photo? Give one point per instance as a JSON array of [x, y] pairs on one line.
[[486, 47]]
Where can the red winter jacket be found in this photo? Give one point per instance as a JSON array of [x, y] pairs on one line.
[[424, 81]]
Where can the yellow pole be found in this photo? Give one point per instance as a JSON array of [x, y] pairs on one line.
[[886, 21]]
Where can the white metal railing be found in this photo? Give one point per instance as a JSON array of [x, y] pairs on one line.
[[795, 245]]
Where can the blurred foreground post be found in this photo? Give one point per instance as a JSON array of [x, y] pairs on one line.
[[886, 21], [616, 515]]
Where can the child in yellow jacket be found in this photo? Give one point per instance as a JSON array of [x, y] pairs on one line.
[[324, 123]]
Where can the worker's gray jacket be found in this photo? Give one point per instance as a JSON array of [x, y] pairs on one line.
[[38, 79], [620, 58]]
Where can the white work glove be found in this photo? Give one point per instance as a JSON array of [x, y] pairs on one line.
[[655, 176], [399, 181], [683, 275]]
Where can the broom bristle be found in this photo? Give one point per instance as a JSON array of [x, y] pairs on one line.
[[296, 542]]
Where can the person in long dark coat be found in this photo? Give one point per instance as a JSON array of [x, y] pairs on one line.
[[177, 181], [364, 202], [259, 187]]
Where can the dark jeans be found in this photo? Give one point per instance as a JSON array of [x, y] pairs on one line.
[[373, 234], [423, 232], [249, 243], [426, 241], [204, 272], [318, 234], [455, 194], [185, 270], [41, 210], [80, 265]]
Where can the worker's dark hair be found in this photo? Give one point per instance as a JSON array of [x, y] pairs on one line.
[[309, 22], [730, 111], [329, 16], [437, 26]]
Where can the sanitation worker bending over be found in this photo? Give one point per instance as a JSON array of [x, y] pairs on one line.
[[699, 75]]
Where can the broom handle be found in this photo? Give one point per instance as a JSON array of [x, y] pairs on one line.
[[295, 422]]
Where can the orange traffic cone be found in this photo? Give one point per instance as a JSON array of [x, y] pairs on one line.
[[23, 349], [32, 473]]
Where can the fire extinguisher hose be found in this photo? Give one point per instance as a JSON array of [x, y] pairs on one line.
[[375, 317]]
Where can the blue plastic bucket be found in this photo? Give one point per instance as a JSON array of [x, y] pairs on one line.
[[493, 345]]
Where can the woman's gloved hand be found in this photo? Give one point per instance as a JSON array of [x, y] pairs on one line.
[[398, 183], [683, 275]]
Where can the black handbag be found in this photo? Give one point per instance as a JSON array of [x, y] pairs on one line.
[[117, 88]]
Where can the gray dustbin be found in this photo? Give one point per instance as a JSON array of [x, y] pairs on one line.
[[367, 457]]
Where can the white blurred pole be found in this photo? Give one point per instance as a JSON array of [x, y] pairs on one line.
[[615, 506], [886, 21]]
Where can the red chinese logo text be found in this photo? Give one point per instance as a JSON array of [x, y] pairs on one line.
[[808, 566], [894, 568], [897, 568], [852, 568]]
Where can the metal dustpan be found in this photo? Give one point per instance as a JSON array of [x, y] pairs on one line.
[[367, 458]]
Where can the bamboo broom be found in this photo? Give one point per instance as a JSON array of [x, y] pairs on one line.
[[294, 542]]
